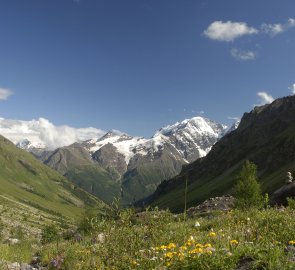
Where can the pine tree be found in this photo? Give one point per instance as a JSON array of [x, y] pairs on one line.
[[247, 189]]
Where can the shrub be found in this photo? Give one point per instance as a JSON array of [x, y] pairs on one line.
[[49, 234], [247, 189]]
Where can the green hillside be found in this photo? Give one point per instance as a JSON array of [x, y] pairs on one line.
[[266, 136], [24, 181]]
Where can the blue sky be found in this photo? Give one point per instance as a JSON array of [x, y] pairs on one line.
[[136, 65]]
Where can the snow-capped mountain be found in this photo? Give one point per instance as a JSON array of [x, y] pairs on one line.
[[117, 164], [194, 137], [191, 138], [233, 127]]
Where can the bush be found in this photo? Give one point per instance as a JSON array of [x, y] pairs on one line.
[[49, 234], [247, 189]]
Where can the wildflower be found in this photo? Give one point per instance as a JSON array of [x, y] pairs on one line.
[[292, 242], [57, 262], [163, 247], [171, 246], [181, 256], [196, 251], [209, 250], [190, 241], [197, 224], [169, 255], [212, 234], [234, 242], [182, 248]]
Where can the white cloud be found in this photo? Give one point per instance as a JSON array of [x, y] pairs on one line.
[[242, 55], [292, 88], [5, 93], [264, 98], [233, 118], [275, 29], [228, 31], [45, 134]]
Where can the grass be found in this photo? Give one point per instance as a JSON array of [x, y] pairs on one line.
[[160, 240], [25, 180]]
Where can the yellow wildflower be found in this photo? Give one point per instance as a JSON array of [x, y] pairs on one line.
[[169, 255], [234, 242], [212, 234], [196, 251], [183, 248], [171, 245]]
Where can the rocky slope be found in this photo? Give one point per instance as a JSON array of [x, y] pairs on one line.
[[265, 136], [118, 165]]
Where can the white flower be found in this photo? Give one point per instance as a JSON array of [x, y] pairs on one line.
[[197, 224]]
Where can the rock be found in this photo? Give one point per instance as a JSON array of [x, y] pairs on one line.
[[13, 241], [290, 250], [245, 263], [99, 239], [224, 203], [289, 177], [77, 237], [279, 197], [13, 266]]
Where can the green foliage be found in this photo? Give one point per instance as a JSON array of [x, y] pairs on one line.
[[49, 234], [17, 232], [247, 189], [266, 203], [1, 229], [16, 253], [291, 203], [159, 240]]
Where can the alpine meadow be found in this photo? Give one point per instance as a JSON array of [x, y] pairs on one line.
[[147, 135]]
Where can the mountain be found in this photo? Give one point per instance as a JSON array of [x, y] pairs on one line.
[[119, 165], [29, 185], [266, 136]]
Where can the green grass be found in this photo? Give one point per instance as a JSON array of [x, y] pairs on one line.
[[24, 179], [160, 240]]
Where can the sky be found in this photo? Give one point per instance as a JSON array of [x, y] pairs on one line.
[[138, 65]]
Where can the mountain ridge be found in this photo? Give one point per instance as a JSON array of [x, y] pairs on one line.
[[118, 164], [266, 136]]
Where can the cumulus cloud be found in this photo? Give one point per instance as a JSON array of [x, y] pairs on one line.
[[277, 28], [5, 93], [45, 134], [228, 31], [242, 55], [292, 88], [264, 98]]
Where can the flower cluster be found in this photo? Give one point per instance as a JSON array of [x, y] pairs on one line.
[[189, 250]]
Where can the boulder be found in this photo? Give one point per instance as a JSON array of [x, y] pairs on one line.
[[279, 197]]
